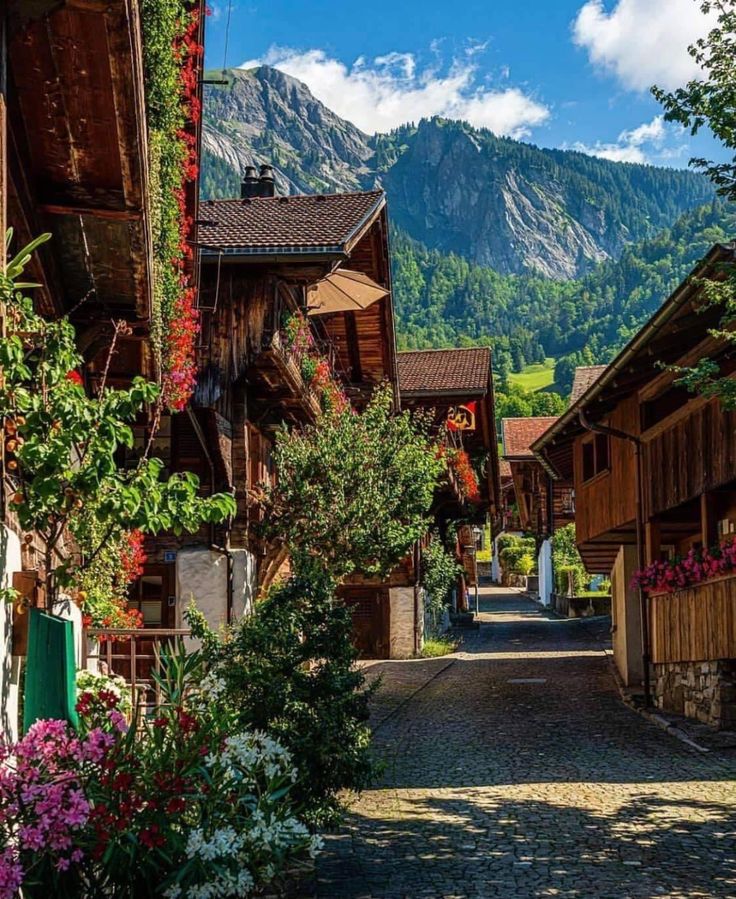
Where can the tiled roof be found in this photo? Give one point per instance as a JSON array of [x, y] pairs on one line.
[[585, 375], [438, 371], [282, 224], [520, 433], [504, 469]]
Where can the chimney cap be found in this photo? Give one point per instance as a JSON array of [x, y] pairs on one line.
[[250, 173]]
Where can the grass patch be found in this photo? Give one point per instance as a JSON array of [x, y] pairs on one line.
[[535, 377], [438, 646]]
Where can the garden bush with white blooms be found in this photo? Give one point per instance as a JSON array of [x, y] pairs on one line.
[[181, 805]]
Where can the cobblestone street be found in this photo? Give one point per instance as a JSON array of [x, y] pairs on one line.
[[514, 769]]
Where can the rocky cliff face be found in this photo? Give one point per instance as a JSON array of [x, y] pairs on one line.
[[266, 116], [498, 202]]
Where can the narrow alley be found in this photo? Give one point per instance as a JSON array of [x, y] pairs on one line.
[[514, 769]]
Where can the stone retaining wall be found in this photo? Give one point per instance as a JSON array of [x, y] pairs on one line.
[[702, 690]]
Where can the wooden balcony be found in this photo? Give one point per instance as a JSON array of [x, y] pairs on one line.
[[695, 624], [277, 370]]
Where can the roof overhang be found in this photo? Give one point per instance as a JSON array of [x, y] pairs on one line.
[[568, 423]]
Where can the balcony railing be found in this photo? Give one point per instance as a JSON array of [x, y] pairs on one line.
[[136, 654], [695, 624]]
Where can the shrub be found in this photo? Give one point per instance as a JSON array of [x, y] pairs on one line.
[[526, 564], [184, 804], [566, 561], [439, 573], [513, 553], [289, 669]]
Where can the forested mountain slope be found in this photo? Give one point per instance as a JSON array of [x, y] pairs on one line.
[[442, 299]]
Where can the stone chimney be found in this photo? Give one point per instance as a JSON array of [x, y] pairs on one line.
[[266, 182], [249, 186]]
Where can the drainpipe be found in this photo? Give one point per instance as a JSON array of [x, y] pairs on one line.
[[643, 604], [223, 550], [417, 564]]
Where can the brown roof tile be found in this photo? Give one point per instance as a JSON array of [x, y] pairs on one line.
[[320, 223], [520, 433], [437, 371], [504, 469], [585, 376]]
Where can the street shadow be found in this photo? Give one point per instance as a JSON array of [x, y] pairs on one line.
[[554, 719], [480, 846]]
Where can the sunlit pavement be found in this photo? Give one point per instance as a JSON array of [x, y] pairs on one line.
[[513, 769]]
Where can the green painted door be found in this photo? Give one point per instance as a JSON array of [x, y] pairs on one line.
[[50, 687]]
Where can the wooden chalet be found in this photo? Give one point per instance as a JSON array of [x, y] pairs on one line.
[[654, 470], [541, 503], [456, 385], [272, 267], [74, 157]]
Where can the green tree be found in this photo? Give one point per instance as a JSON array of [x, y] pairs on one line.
[[64, 463], [710, 101], [353, 490]]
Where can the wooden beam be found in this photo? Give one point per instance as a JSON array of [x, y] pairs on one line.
[[708, 519], [652, 541], [116, 215], [351, 330]]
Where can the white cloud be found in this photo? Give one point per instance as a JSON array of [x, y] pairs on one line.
[[390, 90], [643, 42], [634, 145]]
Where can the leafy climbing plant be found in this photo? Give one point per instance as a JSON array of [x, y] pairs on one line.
[[708, 101], [62, 445]]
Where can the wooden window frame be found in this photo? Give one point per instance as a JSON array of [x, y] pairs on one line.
[[600, 459]]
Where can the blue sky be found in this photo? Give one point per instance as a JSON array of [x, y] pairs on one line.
[[559, 73]]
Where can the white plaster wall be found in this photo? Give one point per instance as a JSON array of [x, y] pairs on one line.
[[546, 578], [402, 622], [495, 566], [10, 561], [245, 582], [201, 575], [626, 618]]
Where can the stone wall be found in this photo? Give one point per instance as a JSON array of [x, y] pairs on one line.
[[702, 690]]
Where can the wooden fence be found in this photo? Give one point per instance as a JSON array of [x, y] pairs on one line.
[[132, 653], [695, 624]]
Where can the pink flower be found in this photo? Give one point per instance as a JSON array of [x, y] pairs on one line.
[[11, 874]]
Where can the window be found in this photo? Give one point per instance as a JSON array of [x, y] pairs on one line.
[[588, 460], [596, 455]]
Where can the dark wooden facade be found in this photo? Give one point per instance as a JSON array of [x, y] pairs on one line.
[[249, 381], [74, 154], [541, 503]]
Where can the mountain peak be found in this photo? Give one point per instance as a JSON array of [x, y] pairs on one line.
[[495, 201]]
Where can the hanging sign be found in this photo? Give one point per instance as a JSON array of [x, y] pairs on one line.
[[462, 418]]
